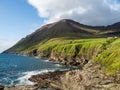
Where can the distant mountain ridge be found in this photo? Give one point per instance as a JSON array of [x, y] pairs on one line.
[[65, 28]]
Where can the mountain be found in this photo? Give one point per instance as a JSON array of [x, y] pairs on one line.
[[64, 29]]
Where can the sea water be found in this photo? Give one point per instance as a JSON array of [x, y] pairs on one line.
[[16, 69]]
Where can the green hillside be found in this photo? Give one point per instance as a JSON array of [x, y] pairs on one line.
[[103, 50], [110, 57], [64, 28]]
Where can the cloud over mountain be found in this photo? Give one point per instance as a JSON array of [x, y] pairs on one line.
[[95, 12]]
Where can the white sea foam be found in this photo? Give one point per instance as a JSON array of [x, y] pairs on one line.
[[23, 80], [46, 61], [58, 65]]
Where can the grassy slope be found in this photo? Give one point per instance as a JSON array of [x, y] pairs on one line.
[[102, 50], [110, 58]]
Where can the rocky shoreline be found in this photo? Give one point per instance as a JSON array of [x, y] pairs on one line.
[[91, 77]]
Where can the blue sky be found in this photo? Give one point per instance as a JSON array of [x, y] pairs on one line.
[[19, 18]]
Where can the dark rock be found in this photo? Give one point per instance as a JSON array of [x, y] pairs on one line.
[[1, 87], [51, 79], [22, 87]]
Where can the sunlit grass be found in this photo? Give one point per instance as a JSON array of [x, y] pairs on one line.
[[106, 51]]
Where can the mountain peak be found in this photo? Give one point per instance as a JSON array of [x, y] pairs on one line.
[[65, 28]]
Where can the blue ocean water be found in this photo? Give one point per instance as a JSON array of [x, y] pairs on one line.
[[16, 69]]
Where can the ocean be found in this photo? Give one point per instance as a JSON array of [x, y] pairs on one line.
[[16, 69]]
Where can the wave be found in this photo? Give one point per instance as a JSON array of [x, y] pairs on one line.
[[23, 80], [46, 60]]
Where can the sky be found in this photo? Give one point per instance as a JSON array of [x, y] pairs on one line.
[[19, 18]]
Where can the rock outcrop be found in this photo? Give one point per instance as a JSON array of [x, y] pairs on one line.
[[51, 80], [26, 87], [90, 78], [21, 87]]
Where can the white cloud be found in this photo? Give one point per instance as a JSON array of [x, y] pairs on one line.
[[113, 4], [4, 45], [92, 12]]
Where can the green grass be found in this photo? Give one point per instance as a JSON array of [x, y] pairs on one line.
[[110, 58], [106, 51]]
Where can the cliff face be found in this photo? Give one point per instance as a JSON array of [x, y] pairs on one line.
[[69, 51], [78, 52]]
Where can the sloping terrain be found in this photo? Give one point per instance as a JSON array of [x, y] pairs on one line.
[[64, 28], [78, 52]]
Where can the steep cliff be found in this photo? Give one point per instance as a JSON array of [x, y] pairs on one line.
[[78, 52]]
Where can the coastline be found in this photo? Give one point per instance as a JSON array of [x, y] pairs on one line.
[[90, 77], [29, 87]]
